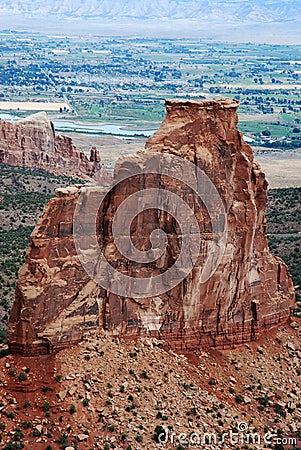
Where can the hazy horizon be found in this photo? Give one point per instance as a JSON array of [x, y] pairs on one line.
[[267, 21]]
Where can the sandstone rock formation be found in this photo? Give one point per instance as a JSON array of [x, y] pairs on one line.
[[251, 290], [31, 142]]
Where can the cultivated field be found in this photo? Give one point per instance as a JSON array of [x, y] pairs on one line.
[[33, 106], [281, 173]]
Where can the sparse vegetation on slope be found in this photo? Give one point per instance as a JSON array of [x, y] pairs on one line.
[[284, 229], [23, 195], [134, 395]]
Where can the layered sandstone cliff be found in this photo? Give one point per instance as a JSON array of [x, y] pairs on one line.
[[32, 142], [249, 292]]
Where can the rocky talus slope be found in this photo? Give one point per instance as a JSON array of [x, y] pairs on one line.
[[32, 142], [250, 292], [106, 393]]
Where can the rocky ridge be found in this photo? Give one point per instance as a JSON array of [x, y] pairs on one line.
[[32, 142], [250, 292]]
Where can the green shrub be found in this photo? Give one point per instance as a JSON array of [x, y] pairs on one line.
[[239, 398], [22, 376], [263, 400], [159, 430], [36, 432], [144, 375], [72, 409], [46, 407], [63, 439]]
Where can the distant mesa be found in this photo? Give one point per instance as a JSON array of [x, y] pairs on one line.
[[251, 291], [32, 142]]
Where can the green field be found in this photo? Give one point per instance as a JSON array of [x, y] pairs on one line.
[[125, 81]]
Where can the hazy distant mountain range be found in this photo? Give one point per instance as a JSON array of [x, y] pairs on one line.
[[255, 11]]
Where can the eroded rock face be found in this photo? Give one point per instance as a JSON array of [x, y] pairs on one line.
[[32, 142], [251, 290]]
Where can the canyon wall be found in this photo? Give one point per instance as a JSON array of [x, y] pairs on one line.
[[32, 142], [249, 291]]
